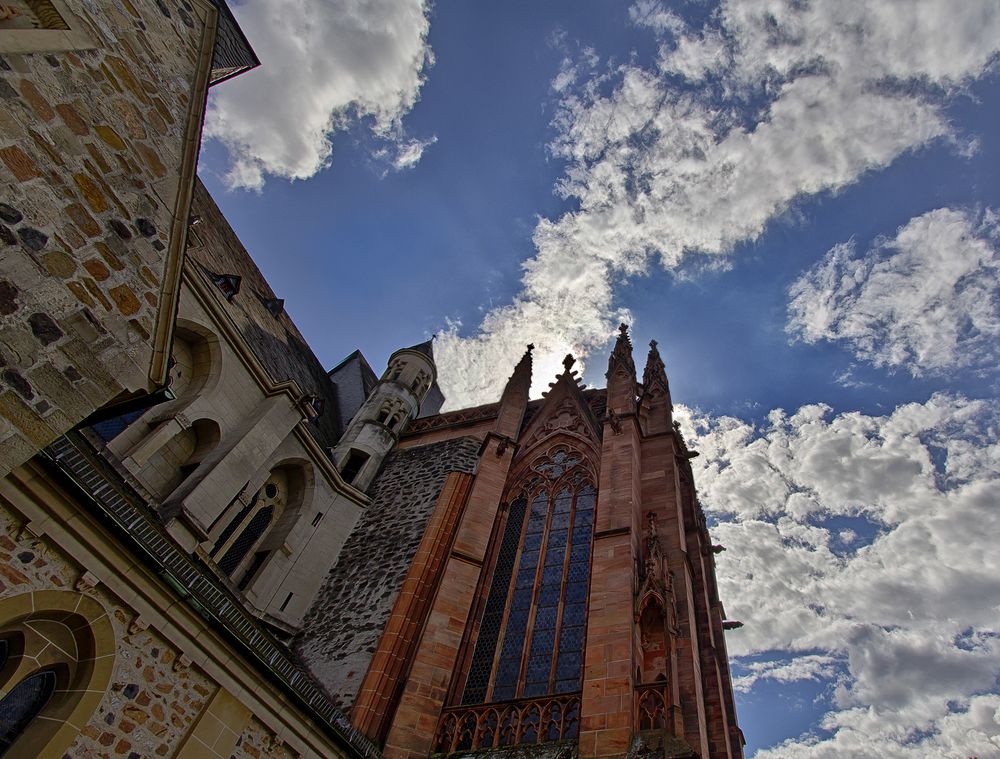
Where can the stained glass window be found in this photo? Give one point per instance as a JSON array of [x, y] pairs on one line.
[[531, 635]]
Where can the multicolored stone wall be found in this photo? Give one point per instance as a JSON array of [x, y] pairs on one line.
[[155, 696], [257, 742], [91, 145]]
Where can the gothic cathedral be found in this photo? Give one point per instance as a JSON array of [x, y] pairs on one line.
[[212, 545]]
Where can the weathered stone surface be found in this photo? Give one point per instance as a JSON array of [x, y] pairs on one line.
[[72, 119], [32, 238], [110, 136], [83, 220], [125, 299], [342, 629], [91, 193], [44, 327], [19, 163], [36, 100], [10, 214], [18, 383], [8, 298], [58, 264]]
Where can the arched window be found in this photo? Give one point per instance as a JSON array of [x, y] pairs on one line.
[[56, 663], [532, 632], [22, 704], [251, 523]]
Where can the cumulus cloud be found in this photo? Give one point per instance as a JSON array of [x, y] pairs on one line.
[[926, 300], [699, 150], [326, 64], [807, 667], [904, 629]]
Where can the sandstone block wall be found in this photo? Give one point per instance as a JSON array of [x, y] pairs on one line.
[[91, 142], [342, 629]]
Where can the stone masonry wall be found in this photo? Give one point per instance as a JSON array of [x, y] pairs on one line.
[[152, 701], [342, 629], [257, 742], [91, 143]]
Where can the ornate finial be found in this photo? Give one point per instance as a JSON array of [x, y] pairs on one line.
[[531, 347], [623, 329], [652, 344], [568, 362]]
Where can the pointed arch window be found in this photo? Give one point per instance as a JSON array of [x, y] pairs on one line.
[[532, 631], [248, 527]]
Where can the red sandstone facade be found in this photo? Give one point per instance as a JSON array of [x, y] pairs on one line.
[[609, 642]]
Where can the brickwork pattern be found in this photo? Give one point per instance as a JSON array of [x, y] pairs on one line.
[[341, 631], [91, 143]]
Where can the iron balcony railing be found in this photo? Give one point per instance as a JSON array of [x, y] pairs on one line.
[[114, 500]]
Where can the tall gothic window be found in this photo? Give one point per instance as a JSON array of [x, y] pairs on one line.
[[531, 636]]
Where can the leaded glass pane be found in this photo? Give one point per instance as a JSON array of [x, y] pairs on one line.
[[246, 540], [551, 598], [22, 704], [489, 630]]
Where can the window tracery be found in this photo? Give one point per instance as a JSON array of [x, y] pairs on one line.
[[532, 630], [248, 527]]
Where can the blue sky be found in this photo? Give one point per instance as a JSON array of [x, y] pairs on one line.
[[797, 200]]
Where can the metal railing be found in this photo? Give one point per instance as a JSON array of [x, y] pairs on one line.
[[511, 723], [200, 589]]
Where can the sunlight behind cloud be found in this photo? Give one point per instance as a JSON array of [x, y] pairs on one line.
[[767, 103]]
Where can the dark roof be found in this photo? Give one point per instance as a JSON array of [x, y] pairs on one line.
[[232, 54], [426, 347], [275, 340]]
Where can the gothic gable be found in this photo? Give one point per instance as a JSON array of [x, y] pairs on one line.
[[565, 412]]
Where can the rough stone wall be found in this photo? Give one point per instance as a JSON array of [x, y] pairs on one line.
[[257, 742], [91, 143], [342, 629], [152, 702]]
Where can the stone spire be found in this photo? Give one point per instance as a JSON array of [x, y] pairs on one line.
[[655, 406], [515, 397], [621, 375]]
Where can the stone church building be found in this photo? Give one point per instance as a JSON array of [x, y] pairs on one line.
[[211, 545]]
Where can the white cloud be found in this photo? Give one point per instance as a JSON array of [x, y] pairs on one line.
[[807, 667], [693, 153], [926, 300], [904, 628], [325, 64]]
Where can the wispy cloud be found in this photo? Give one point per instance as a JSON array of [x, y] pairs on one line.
[[327, 64], [695, 152], [904, 630], [927, 300]]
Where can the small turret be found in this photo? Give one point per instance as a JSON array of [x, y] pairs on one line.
[[395, 400], [655, 406]]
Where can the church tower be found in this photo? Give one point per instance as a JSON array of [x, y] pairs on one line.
[[563, 593], [396, 399]]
